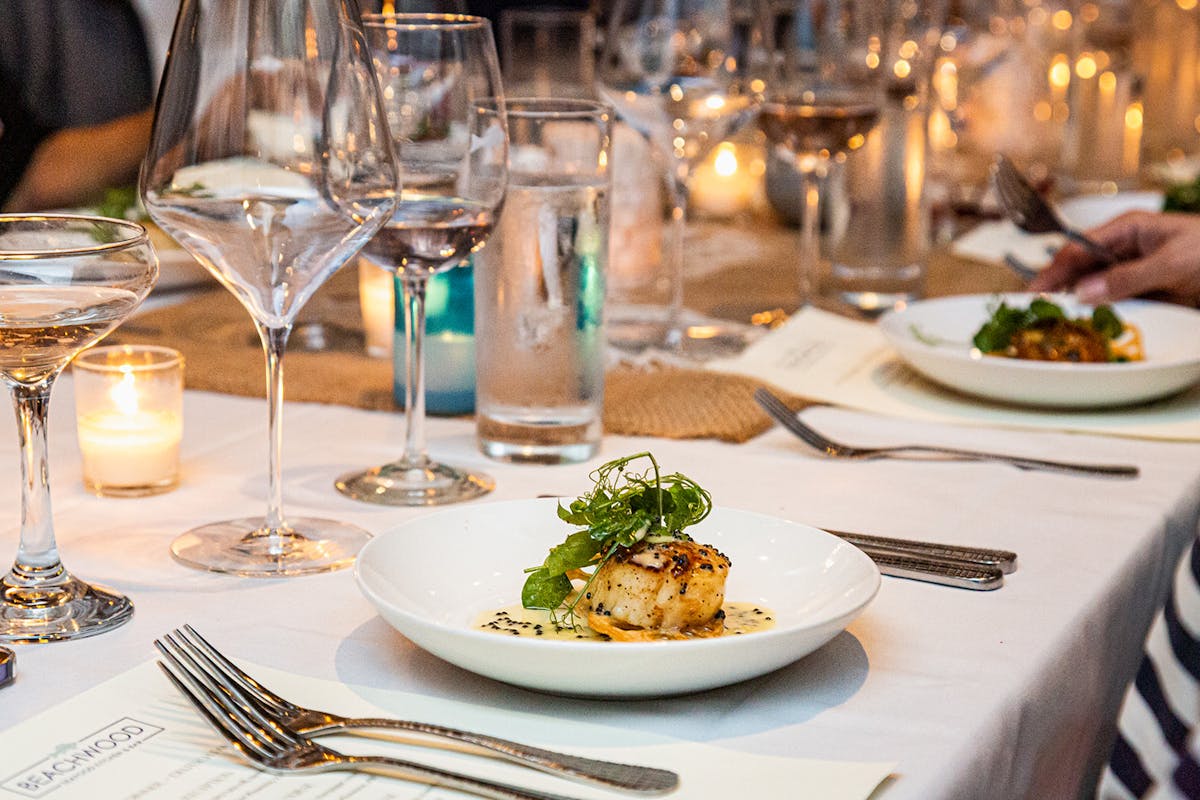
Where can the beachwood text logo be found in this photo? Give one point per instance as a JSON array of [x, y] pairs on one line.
[[75, 759]]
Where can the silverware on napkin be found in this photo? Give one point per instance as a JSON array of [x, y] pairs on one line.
[[275, 733]]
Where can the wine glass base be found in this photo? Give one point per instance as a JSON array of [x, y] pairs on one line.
[[66, 610], [690, 335], [402, 484], [304, 546]]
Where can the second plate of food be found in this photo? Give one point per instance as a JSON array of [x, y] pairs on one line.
[[935, 338], [437, 578]]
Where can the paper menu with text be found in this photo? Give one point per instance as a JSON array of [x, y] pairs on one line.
[[826, 358], [135, 737]]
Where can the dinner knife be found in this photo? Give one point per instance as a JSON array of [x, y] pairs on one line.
[[958, 574], [1003, 560]]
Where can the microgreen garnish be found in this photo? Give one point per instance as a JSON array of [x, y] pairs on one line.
[[623, 508], [1005, 320]]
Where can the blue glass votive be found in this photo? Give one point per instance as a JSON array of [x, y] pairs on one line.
[[449, 342]]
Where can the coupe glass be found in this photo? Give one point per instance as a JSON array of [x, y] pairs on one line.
[[681, 72], [270, 163], [65, 282], [442, 90], [825, 92]]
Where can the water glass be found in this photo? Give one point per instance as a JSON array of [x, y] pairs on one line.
[[539, 288], [129, 413], [875, 229], [548, 52], [1102, 138]]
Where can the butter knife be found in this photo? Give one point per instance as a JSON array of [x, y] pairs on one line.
[[1003, 560]]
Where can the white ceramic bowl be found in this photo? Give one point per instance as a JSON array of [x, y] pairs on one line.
[[432, 577], [934, 337]]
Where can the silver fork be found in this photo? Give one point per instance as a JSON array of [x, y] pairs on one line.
[[784, 415], [1030, 212], [311, 722], [273, 748]]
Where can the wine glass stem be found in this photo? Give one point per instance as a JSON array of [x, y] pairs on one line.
[[413, 289], [677, 181], [37, 554], [274, 341], [810, 243]]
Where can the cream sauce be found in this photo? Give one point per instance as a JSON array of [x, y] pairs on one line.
[[516, 620]]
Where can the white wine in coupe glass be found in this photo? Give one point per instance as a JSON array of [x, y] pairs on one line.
[[65, 282], [445, 105], [270, 163]]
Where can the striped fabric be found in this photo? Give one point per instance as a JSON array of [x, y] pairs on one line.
[[1157, 752]]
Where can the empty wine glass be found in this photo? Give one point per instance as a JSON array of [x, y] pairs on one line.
[[442, 90], [824, 95], [270, 163], [681, 72], [65, 282]]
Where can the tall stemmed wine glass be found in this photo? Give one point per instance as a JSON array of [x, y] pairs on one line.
[[442, 91], [682, 73], [65, 282], [824, 95], [270, 163]]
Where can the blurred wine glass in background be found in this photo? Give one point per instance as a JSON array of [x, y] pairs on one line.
[[824, 95], [681, 72]]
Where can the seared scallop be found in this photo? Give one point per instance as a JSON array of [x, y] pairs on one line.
[[672, 585]]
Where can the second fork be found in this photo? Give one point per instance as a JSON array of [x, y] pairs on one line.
[[818, 441]]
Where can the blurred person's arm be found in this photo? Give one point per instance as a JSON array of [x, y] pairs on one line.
[[20, 137], [73, 166], [1157, 253]]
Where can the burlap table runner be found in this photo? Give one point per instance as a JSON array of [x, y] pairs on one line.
[[217, 338], [223, 354]]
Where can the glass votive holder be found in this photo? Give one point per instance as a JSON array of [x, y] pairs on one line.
[[376, 290], [129, 415], [449, 343]]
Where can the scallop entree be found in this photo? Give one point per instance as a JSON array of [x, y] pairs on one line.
[[629, 572], [674, 585]]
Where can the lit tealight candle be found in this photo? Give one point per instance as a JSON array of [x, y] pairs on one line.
[[728, 181], [376, 298], [129, 413]]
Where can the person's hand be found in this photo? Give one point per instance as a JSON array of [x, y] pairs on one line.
[[1156, 253]]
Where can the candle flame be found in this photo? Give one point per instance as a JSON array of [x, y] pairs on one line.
[[726, 163], [124, 394], [1060, 71]]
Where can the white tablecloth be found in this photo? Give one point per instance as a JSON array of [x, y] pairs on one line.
[[1004, 694]]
